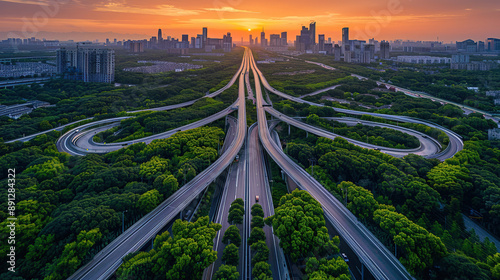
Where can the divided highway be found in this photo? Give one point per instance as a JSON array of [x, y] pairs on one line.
[[379, 261]]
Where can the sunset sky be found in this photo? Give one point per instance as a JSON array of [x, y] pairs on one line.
[[449, 20]]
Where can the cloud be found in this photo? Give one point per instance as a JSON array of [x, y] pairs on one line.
[[28, 2], [163, 10], [229, 10]]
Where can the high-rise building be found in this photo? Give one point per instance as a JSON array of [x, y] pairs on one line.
[[136, 47], [284, 39], [368, 53], [193, 42], [256, 40], [227, 42], [347, 53], [87, 63], [493, 44], [185, 38], [336, 52], [345, 38], [303, 41], [384, 50], [263, 42], [321, 42], [160, 36], [205, 36], [199, 41], [312, 33], [274, 40], [250, 39]]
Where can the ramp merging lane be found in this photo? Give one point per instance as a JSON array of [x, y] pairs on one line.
[[104, 264], [456, 144], [379, 261], [427, 147]]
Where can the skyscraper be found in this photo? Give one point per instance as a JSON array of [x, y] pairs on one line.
[[250, 39], [284, 39], [345, 38], [321, 42], [205, 36], [185, 38], [384, 50], [312, 33], [160, 37], [263, 42]]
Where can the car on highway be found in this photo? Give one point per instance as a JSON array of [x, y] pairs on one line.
[[256, 198], [344, 256]]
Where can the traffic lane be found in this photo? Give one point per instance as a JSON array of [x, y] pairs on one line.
[[427, 146], [327, 134], [258, 185], [230, 133], [59, 128], [228, 193]]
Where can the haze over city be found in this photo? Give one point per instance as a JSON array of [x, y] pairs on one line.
[[132, 19]]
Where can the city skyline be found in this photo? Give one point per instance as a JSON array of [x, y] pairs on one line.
[[388, 19]]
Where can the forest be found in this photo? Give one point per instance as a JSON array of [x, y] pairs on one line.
[[414, 203], [69, 208]]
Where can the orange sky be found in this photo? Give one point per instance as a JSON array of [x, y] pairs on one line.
[[383, 19]]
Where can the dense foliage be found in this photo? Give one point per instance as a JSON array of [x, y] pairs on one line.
[[423, 230], [183, 256], [68, 202]]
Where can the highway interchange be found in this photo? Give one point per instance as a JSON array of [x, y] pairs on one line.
[[248, 178]]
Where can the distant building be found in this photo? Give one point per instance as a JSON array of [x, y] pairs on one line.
[[321, 42], [87, 63], [493, 44], [368, 53], [345, 38], [460, 58], [312, 33], [204, 37], [424, 59], [136, 47], [263, 41], [385, 50], [160, 36], [250, 39], [467, 46], [336, 52], [284, 39], [227, 42], [274, 40]]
